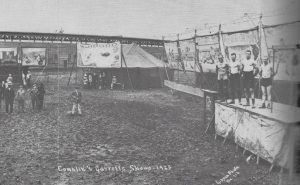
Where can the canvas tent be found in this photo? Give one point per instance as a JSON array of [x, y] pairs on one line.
[[139, 69]]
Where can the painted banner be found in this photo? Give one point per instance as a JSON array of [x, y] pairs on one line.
[[286, 63], [187, 48], [239, 43], [99, 55], [287, 34], [8, 55], [172, 54], [33, 56], [208, 51]]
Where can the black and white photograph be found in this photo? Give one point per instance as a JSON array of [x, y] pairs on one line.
[[149, 92]]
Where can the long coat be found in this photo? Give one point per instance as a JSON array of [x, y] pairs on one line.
[[9, 95]]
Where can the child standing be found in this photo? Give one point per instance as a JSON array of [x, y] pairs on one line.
[[76, 97]]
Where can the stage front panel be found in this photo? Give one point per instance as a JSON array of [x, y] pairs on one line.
[[266, 137]]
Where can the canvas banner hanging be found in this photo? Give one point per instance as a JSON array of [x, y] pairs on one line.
[[239, 43], [172, 54], [99, 55], [208, 51], [8, 55], [33, 56], [187, 48], [286, 62]]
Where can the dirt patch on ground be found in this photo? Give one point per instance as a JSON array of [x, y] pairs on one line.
[[124, 137]]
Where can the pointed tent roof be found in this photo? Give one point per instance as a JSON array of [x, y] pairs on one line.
[[135, 57]]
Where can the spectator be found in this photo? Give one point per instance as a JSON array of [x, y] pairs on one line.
[[20, 97], [9, 96], [2, 89], [28, 79], [40, 96], [90, 77], [76, 97], [9, 79], [85, 81], [95, 80], [33, 95], [104, 80], [100, 81], [115, 82]]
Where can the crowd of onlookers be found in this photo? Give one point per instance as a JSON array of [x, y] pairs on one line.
[[99, 81], [25, 92]]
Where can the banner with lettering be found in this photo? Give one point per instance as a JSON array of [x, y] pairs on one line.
[[99, 55], [172, 54], [8, 55], [208, 51], [187, 48], [240, 42], [33, 56]]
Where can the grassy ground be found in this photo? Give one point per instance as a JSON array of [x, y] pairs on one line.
[[124, 137]]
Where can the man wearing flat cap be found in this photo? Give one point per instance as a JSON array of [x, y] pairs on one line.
[[76, 97]]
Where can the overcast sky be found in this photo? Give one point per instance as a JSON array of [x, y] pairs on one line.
[[136, 18]]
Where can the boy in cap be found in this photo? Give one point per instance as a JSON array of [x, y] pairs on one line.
[[20, 97], [9, 96], [76, 97]]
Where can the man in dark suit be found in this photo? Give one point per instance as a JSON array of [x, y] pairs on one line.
[[9, 96], [2, 88]]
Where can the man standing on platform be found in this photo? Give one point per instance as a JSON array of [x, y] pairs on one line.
[[235, 78], [266, 73], [222, 70], [248, 73]]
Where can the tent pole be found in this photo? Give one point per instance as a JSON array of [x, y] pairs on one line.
[[122, 55]]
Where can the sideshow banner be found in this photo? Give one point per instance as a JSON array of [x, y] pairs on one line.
[[208, 51], [239, 43], [287, 65], [33, 56], [187, 48], [287, 34], [99, 55], [286, 62], [8, 55], [172, 54]]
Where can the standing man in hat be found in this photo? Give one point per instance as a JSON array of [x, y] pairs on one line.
[[9, 96], [76, 97]]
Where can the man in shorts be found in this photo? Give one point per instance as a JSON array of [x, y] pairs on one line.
[[248, 73], [266, 74]]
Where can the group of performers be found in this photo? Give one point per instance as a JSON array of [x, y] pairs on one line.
[[232, 73]]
